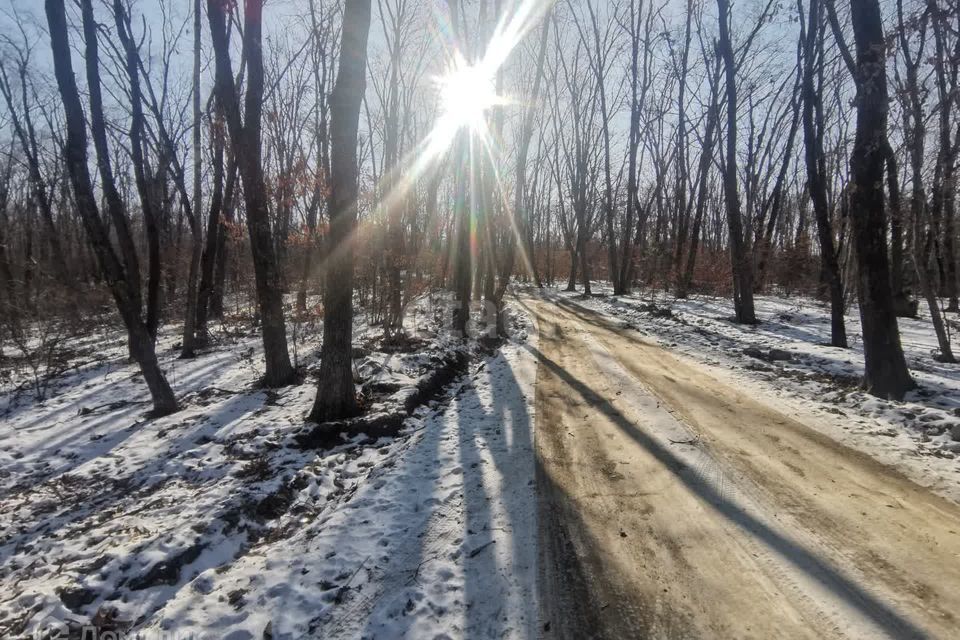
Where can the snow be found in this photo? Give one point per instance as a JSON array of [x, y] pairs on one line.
[[819, 384], [213, 522], [438, 538]]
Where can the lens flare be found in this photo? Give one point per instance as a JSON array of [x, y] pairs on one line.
[[467, 92]]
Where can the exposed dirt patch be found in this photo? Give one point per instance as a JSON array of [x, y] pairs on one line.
[[725, 517]]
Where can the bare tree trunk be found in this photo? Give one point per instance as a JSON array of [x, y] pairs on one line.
[[914, 122], [215, 230], [926, 276], [336, 396], [140, 169], [944, 190], [123, 285], [584, 260], [764, 232], [9, 288], [633, 145], [740, 260], [886, 373], [191, 337], [462, 252], [816, 172], [572, 279], [599, 63], [681, 204], [703, 174], [319, 68], [223, 248], [247, 152], [520, 188]]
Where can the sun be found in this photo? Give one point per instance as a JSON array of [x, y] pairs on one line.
[[467, 92]]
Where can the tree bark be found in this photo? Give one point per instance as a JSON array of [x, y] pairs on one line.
[[215, 230], [740, 260], [245, 138], [336, 396], [886, 373], [140, 169], [633, 145], [192, 338], [123, 287], [223, 247], [9, 287], [816, 174], [462, 253], [321, 118]]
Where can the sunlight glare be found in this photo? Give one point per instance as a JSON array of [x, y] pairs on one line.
[[467, 92]]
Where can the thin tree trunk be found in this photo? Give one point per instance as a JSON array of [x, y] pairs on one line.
[[208, 261], [140, 169], [572, 280], [816, 178], [191, 337], [462, 251], [582, 253], [683, 165], [319, 69], [520, 188], [6, 272], [703, 174], [925, 273], [223, 247]]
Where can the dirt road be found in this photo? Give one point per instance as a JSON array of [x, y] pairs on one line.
[[674, 506]]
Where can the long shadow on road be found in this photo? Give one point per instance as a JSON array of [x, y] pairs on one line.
[[796, 554]]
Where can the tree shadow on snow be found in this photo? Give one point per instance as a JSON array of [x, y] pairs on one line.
[[466, 461]]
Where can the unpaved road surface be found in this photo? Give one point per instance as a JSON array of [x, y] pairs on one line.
[[672, 505]]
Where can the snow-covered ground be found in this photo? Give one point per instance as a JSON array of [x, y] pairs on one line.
[[920, 436], [214, 522]]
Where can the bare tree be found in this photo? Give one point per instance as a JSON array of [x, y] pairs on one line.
[[336, 397], [600, 50], [191, 336], [121, 273], [23, 125], [322, 59], [703, 175], [924, 230], [520, 188], [245, 138], [739, 256], [811, 34], [886, 373]]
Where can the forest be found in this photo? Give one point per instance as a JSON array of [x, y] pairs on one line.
[[646, 145], [298, 233]]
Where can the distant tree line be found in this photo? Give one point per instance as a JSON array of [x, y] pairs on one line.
[[230, 157]]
